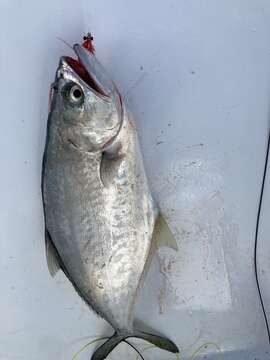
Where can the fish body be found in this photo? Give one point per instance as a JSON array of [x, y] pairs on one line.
[[99, 212]]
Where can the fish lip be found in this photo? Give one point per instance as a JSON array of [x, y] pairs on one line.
[[84, 76], [92, 73], [95, 70]]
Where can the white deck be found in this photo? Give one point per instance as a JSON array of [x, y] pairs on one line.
[[196, 75]]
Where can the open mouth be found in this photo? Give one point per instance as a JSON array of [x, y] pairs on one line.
[[92, 72], [80, 70]]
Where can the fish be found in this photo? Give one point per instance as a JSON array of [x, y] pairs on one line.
[[102, 224]]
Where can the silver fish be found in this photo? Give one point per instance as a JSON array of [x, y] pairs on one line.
[[100, 217]]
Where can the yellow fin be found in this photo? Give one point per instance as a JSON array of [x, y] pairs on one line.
[[162, 235]]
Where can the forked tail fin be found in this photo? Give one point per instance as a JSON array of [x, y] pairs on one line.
[[162, 342], [159, 341]]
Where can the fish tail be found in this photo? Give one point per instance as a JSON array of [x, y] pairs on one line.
[[157, 340], [160, 341]]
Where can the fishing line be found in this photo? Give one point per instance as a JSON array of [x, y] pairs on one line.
[[75, 356], [203, 346], [133, 347], [65, 42], [147, 348], [256, 236]]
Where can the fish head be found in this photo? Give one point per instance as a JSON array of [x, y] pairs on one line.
[[87, 103]]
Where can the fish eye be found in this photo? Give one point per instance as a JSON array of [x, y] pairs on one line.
[[73, 93]]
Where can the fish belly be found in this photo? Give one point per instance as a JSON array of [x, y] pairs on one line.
[[103, 236]]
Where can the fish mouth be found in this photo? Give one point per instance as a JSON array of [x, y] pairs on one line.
[[90, 70], [80, 70]]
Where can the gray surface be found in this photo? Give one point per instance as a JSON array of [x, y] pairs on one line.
[[196, 76]]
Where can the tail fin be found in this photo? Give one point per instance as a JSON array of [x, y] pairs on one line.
[[103, 351], [162, 342]]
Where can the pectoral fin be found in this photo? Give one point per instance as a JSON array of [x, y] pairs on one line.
[[51, 255], [162, 235], [109, 166]]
